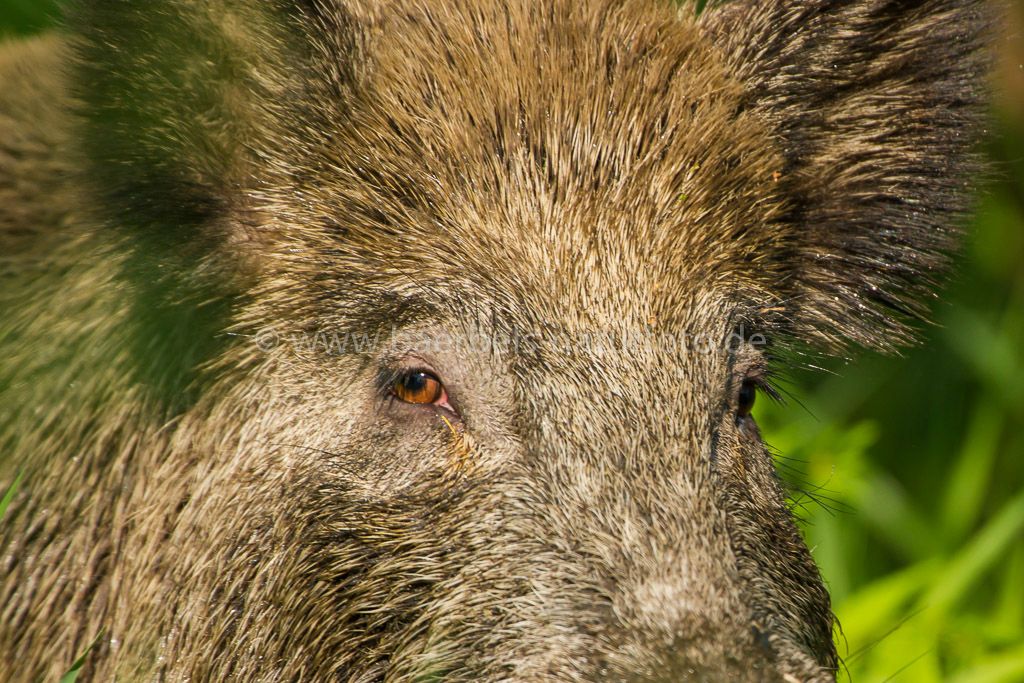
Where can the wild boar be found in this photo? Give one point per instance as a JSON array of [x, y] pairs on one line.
[[418, 341]]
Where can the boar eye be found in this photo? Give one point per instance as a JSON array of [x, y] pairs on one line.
[[418, 387], [745, 399]]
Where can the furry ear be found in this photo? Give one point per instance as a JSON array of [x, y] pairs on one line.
[[878, 106], [178, 100]]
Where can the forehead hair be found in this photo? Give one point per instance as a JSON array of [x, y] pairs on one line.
[[607, 162]]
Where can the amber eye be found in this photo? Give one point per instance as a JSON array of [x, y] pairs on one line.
[[418, 387], [746, 398]]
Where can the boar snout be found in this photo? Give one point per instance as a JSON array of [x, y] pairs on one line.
[[663, 557]]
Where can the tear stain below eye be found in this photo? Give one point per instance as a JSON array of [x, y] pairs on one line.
[[461, 458]]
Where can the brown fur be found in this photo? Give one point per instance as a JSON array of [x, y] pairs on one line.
[[195, 189]]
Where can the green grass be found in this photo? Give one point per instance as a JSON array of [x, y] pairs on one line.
[[917, 463], [72, 674], [5, 502]]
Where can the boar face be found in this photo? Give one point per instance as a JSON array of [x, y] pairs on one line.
[[505, 278]]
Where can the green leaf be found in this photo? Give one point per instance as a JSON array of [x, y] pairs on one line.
[[72, 675], [9, 495], [978, 556], [1003, 668], [970, 477], [880, 608]]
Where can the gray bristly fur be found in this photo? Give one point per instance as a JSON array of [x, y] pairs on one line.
[[194, 192]]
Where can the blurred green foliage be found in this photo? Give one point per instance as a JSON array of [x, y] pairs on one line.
[[26, 16], [908, 473]]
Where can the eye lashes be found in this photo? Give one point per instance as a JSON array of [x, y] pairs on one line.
[[386, 379], [765, 385]]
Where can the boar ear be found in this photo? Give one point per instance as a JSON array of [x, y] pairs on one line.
[[180, 100], [878, 106]]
